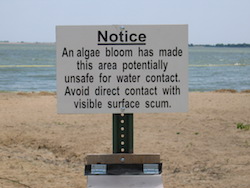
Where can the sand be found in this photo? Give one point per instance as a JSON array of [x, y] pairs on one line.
[[202, 148]]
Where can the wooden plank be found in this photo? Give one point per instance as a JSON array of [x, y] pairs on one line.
[[123, 159]]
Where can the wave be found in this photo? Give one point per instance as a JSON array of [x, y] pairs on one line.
[[219, 65], [192, 65], [25, 66]]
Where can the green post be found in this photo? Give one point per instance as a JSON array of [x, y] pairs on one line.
[[123, 133]]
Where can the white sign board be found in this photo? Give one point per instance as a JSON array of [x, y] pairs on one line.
[[122, 69]]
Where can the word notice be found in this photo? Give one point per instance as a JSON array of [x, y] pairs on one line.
[[122, 69]]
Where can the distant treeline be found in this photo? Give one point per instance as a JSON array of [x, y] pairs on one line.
[[242, 45]]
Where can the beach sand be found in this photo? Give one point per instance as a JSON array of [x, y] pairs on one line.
[[202, 148]]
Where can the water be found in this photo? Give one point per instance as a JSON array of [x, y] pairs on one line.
[[32, 67], [27, 67], [212, 68]]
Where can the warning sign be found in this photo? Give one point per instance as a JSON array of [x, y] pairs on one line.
[[122, 69]]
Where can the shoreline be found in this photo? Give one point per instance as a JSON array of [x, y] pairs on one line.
[[54, 92]]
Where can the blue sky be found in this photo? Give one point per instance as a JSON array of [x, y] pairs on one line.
[[210, 21]]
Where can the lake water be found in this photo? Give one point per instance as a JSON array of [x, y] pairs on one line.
[[32, 67], [212, 68]]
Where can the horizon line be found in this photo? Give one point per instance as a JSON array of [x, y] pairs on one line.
[[195, 44]]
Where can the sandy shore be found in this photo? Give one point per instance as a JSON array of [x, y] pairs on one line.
[[201, 148]]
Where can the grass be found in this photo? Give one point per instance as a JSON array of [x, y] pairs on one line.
[[58, 123], [243, 126]]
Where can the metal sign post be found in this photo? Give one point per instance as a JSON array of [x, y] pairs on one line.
[[123, 161], [123, 133], [124, 169]]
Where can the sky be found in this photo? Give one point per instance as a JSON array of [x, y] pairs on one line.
[[209, 21]]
